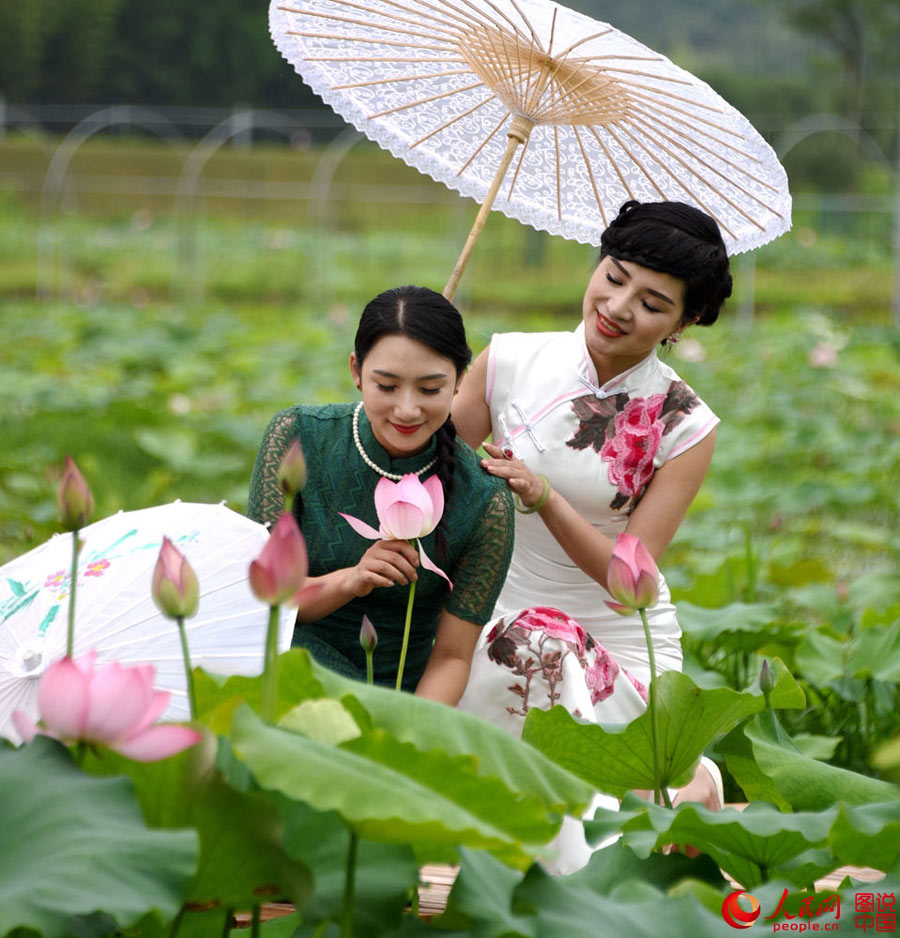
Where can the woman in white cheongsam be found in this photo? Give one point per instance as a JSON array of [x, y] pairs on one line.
[[595, 436]]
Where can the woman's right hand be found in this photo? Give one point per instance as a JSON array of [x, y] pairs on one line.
[[384, 564]]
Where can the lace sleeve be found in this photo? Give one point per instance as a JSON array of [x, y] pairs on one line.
[[266, 500], [479, 574]]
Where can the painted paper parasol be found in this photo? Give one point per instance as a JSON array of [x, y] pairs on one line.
[[550, 116], [115, 612]]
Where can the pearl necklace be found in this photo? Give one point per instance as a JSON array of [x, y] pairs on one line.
[[369, 462]]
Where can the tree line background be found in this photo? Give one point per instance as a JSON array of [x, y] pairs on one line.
[[775, 60]]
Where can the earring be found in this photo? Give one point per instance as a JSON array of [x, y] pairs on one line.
[[673, 338]]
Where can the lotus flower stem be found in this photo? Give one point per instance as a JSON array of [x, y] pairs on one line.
[[349, 888], [270, 667], [188, 673], [406, 629], [70, 635], [370, 670], [229, 917], [176, 923], [254, 931], [660, 793]]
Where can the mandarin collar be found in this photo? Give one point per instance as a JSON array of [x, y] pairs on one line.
[[622, 383]]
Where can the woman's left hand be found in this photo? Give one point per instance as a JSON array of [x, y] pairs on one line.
[[526, 484]]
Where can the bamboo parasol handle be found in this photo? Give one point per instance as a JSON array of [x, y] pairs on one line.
[[518, 133]]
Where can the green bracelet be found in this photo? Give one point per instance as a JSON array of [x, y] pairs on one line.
[[539, 504]]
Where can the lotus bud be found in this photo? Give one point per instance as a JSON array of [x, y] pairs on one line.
[[368, 637], [766, 680], [277, 575], [75, 501], [292, 471], [175, 589], [632, 577]]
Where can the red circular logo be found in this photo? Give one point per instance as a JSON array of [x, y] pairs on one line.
[[736, 916]]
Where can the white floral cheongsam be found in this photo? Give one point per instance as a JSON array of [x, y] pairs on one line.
[[553, 639]]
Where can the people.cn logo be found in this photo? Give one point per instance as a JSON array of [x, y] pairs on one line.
[[736, 916]]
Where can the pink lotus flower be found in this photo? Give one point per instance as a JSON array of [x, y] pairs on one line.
[[407, 510], [632, 577], [174, 587], [278, 574], [110, 705], [74, 499]]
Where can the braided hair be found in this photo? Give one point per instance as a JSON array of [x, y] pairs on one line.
[[676, 239], [429, 318]]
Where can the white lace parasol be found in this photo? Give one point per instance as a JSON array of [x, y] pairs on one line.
[[554, 117]]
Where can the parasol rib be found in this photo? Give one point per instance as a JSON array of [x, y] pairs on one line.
[[358, 6], [633, 72], [565, 52], [439, 14], [664, 100], [452, 121], [590, 172], [725, 144], [635, 160], [558, 173], [385, 28], [434, 97], [519, 130], [612, 162], [535, 39], [705, 163], [483, 144], [391, 81], [366, 40], [376, 58], [507, 20], [693, 172], [512, 184], [482, 20], [652, 180]]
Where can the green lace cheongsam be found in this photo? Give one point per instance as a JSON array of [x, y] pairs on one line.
[[477, 526]]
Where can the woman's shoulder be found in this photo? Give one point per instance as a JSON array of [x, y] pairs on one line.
[[312, 415], [518, 342], [469, 471]]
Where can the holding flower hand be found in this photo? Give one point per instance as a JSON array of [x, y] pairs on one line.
[[407, 510]]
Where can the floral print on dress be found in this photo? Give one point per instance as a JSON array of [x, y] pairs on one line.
[[627, 432], [534, 647]]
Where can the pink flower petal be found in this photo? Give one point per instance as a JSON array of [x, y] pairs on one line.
[[119, 697], [158, 742], [63, 699], [25, 726], [410, 489], [306, 594], [436, 492], [618, 607], [402, 520], [385, 495], [428, 564], [155, 709], [366, 530]]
